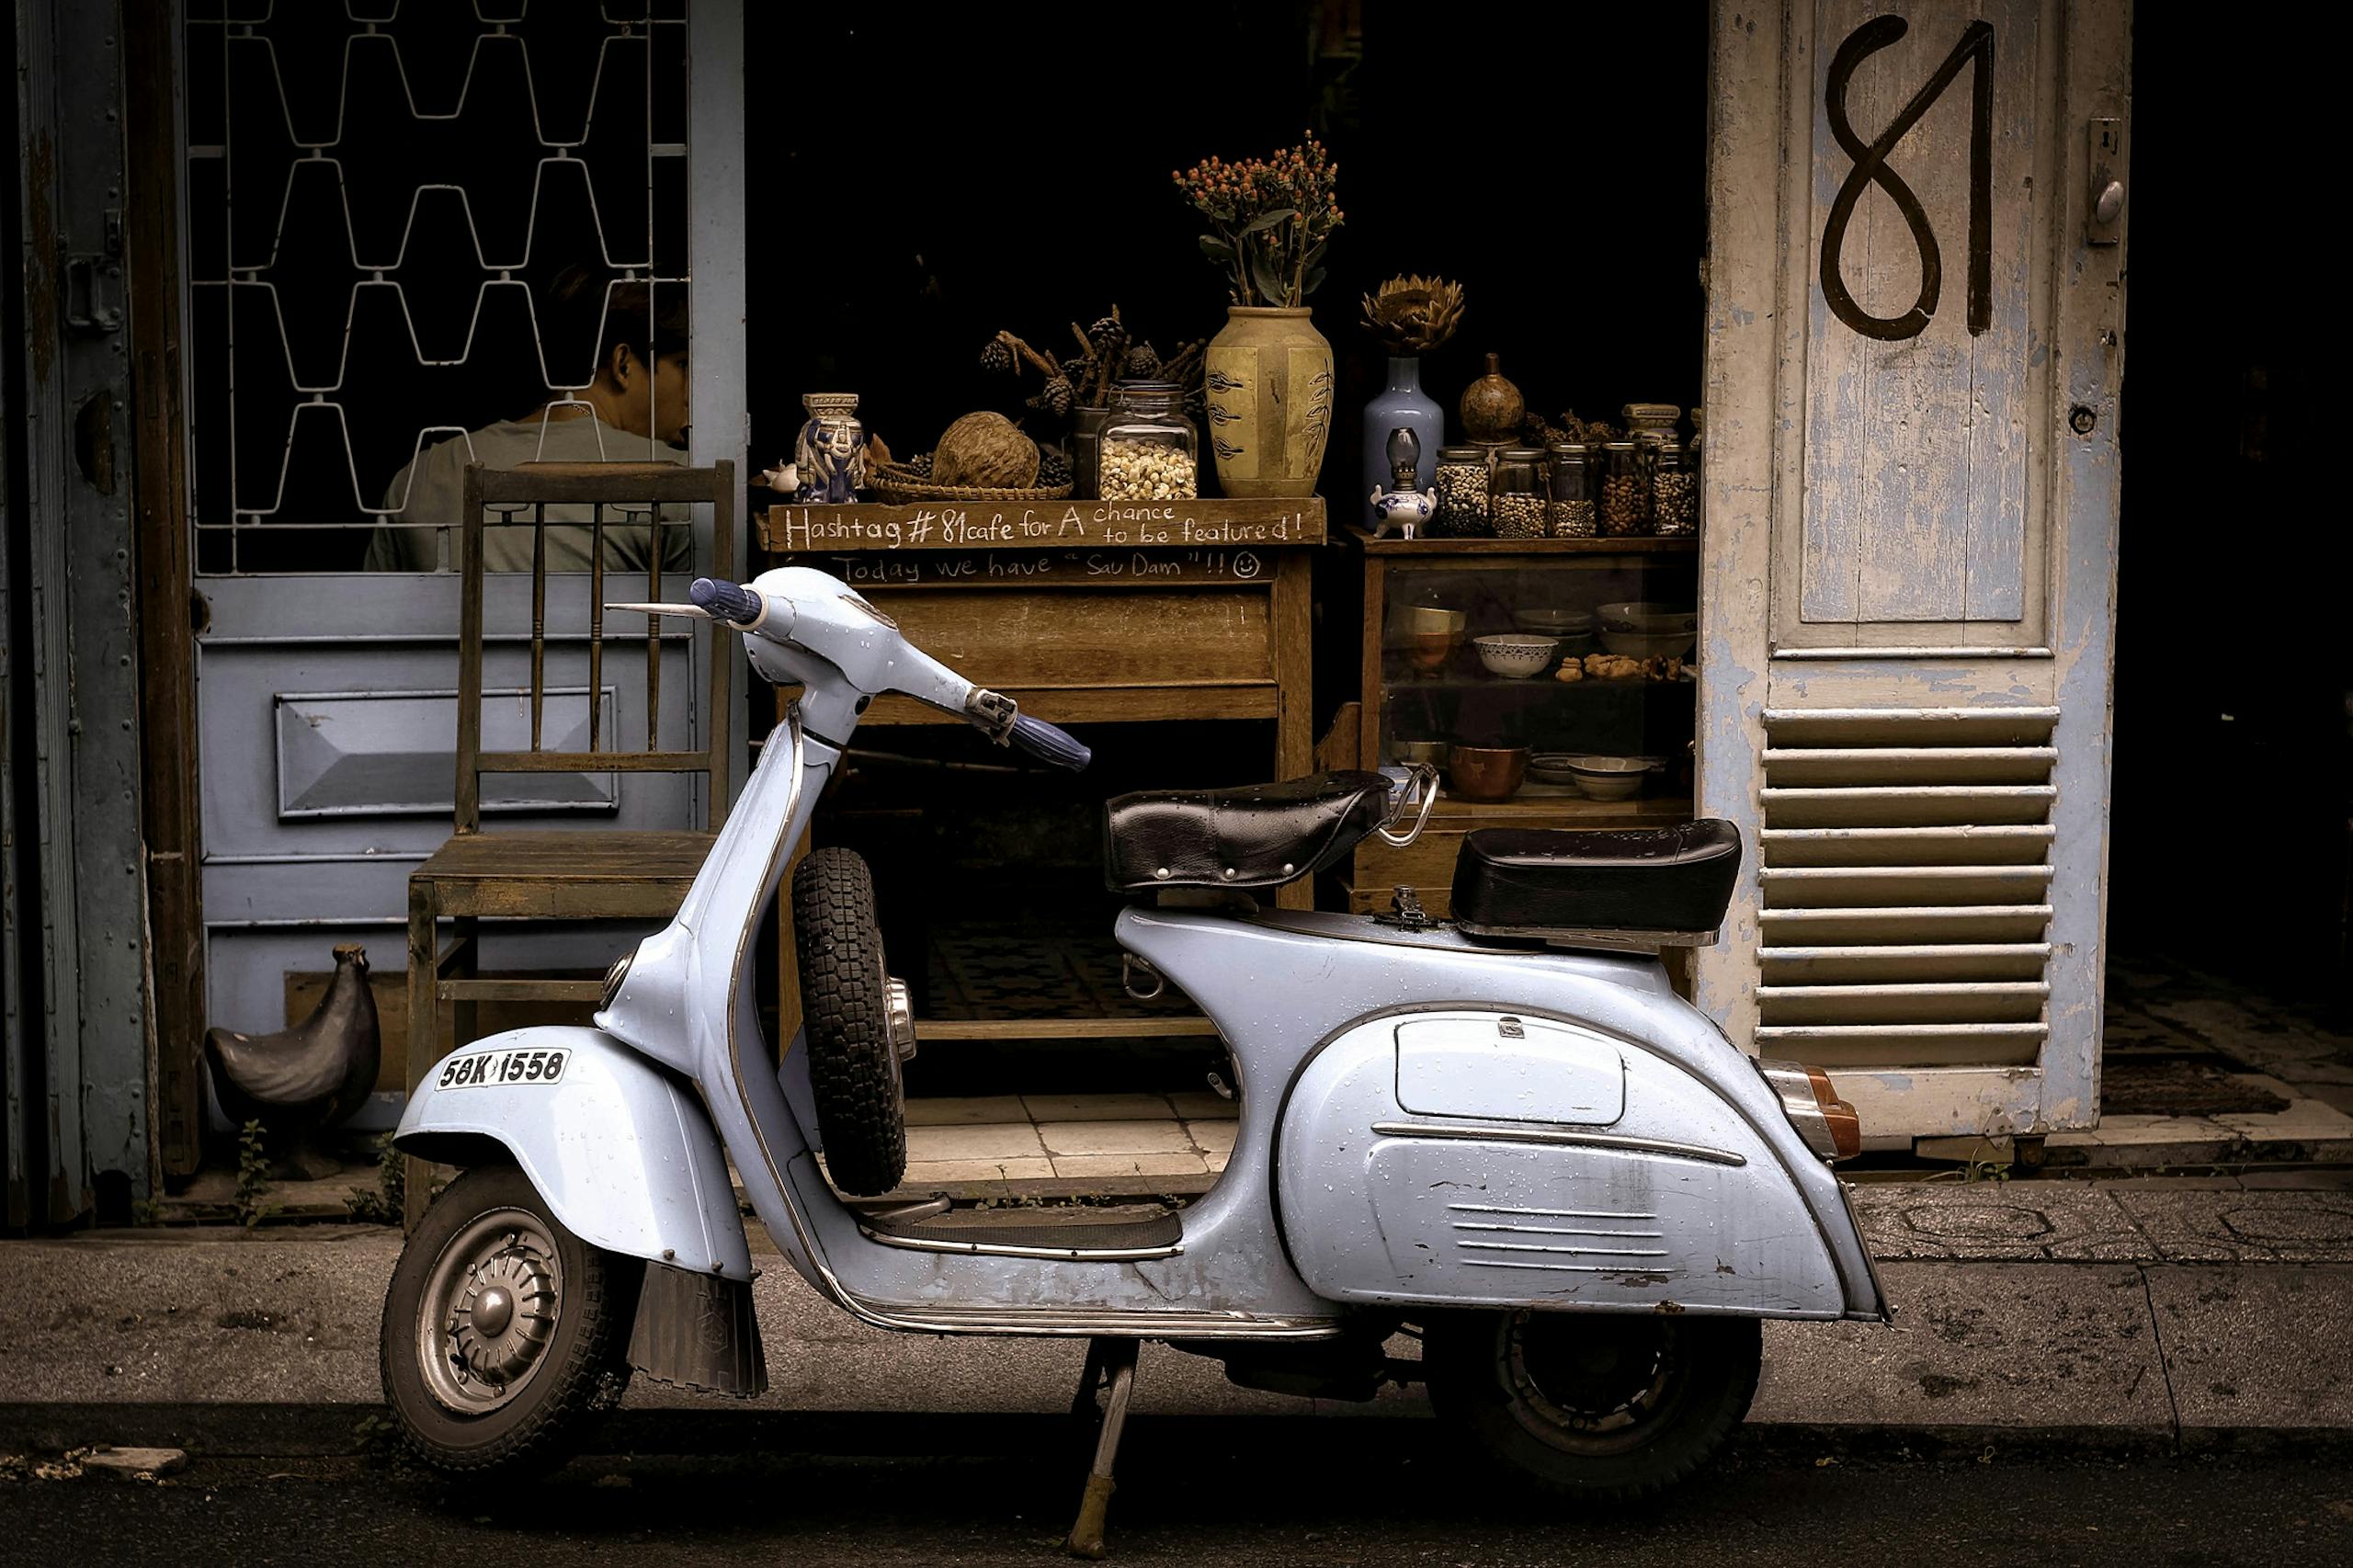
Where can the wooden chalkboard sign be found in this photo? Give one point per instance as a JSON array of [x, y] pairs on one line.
[[1255, 526], [1103, 568]]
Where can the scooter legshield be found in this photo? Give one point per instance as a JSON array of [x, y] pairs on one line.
[[620, 1148]]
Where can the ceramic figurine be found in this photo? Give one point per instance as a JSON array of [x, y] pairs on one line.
[[303, 1081], [831, 453], [1407, 507]]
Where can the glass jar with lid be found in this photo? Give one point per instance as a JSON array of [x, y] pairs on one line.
[[1625, 501], [1517, 496], [1675, 493], [1655, 419], [1569, 513], [1149, 450], [1462, 489]]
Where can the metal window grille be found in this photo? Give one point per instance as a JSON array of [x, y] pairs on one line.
[[380, 198]]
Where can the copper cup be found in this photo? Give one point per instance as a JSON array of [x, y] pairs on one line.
[[1486, 773], [1432, 650]]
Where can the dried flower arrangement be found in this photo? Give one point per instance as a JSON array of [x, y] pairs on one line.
[[1107, 351], [1541, 432], [1413, 314], [1270, 219]]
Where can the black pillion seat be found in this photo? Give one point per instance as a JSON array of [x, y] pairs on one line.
[[1540, 882], [1259, 836]]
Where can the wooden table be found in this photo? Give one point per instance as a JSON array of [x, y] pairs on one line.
[[1085, 612]]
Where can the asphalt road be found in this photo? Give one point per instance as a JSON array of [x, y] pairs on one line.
[[1213, 1491]]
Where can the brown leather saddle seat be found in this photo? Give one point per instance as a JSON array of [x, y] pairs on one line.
[[1513, 880], [1259, 836]]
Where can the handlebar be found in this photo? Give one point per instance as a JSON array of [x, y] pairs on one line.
[[730, 602], [1048, 742]]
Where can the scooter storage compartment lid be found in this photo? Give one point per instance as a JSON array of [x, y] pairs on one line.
[[1260, 836], [1498, 1067], [1664, 879]]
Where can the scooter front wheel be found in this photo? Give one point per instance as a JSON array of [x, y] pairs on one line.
[[1603, 1406], [505, 1335]]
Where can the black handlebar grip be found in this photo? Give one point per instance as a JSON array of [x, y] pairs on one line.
[[1048, 743], [730, 602]]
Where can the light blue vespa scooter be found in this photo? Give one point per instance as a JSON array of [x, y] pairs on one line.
[[1503, 1135]]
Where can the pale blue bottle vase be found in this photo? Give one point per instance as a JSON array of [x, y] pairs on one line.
[[1401, 404]]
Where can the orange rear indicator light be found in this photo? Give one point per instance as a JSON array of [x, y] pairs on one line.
[[1846, 1127]]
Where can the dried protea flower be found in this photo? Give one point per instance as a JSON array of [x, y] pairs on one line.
[[1413, 314]]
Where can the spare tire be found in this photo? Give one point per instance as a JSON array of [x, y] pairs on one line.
[[846, 1011]]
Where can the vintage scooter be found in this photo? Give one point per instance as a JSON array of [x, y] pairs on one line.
[[1502, 1135]]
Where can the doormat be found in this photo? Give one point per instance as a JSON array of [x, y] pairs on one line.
[[2179, 1085]]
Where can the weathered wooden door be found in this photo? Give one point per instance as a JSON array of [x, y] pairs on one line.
[[378, 200], [1915, 321]]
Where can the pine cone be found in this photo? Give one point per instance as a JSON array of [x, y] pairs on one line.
[[1053, 468], [1106, 331], [1413, 314], [1055, 397], [996, 358], [920, 465], [1075, 368], [1143, 363]]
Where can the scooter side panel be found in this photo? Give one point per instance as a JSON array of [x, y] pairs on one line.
[[622, 1150], [1677, 1205]]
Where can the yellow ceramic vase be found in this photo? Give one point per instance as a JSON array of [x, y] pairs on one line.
[[1270, 386]]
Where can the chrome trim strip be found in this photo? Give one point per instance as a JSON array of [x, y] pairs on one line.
[[1565, 1267], [1000, 1249], [1562, 1140]]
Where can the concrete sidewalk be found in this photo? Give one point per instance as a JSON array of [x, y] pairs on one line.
[[2133, 1313]]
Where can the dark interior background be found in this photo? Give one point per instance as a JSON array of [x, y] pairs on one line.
[[2234, 651]]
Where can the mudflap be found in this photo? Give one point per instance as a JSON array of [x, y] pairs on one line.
[[698, 1331]]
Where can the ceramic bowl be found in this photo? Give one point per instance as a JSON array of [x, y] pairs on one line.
[[1553, 623], [1516, 657], [1648, 615], [1421, 620], [1486, 773], [1608, 777], [1411, 752], [1649, 645], [1430, 651]]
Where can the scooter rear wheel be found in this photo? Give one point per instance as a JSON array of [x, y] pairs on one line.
[[505, 1335], [1607, 1407], [854, 1072]]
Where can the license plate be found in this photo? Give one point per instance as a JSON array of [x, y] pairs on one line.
[[519, 1066]]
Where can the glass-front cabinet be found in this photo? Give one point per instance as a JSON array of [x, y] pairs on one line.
[[1550, 681]]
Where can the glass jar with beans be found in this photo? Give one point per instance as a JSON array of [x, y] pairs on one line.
[[1569, 512], [1149, 450], [1462, 490], [1675, 493], [1625, 508], [1517, 496]]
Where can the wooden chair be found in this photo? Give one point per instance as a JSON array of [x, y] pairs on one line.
[[583, 874]]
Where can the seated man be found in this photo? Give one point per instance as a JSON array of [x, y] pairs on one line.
[[633, 411]]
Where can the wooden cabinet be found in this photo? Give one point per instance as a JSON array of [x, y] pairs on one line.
[[1417, 688]]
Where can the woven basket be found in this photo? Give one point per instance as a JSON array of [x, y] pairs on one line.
[[901, 486]]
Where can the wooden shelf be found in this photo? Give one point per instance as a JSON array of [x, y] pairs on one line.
[[1559, 811], [1637, 545]]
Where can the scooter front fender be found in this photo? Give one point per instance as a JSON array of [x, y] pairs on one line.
[[620, 1148]]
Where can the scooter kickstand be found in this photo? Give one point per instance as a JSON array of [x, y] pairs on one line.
[[1116, 1358]]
